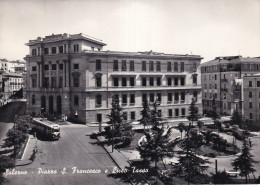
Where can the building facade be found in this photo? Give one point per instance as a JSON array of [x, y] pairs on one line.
[[71, 75], [251, 91], [222, 79]]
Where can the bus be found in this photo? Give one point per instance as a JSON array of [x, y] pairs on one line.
[[46, 128]]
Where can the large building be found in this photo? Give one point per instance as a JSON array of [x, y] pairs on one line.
[[222, 78], [251, 91], [71, 75]]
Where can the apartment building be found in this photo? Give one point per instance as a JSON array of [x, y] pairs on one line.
[[251, 91], [222, 78], [72, 75]]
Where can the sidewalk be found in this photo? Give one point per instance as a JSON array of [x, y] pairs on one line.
[[119, 159], [28, 151]]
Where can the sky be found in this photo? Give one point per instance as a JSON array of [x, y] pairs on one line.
[[209, 28]]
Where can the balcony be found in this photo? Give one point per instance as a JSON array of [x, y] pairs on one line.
[[224, 80], [224, 89]]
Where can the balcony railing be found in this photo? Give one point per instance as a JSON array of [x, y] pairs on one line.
[[224, 89], [224, 80]]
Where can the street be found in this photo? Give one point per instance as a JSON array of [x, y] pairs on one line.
[[73, 159]]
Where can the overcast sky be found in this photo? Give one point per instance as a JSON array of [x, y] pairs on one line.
[[208, 28]]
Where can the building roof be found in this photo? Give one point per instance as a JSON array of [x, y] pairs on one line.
[[65, 36], [149, 54], [231, 59]]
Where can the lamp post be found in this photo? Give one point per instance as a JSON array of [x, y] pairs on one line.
[[15, 117]]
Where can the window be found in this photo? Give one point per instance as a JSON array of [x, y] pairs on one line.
[[151, 97], [115, 82], [170, 113], [159, 113], [251, 115], [176, 67], [61, 66], [46, 82], [76, 81], [132, 65], [151, 81], [182, 66], [76, 48], [33, 68], [169, 97], [132, 115], [60, 81], [151, 66], [124, 65], [216, 95], [182, 81], [159, 97], [33, 99], [215, 86], [98, 81], [98, 100], [194, 80], [169, 66], [76, 100], [258, 83], [53, 67], [98, 65], [33, 52], [132, 81], [46, 67], [144, 97], [158, 81], [61, 49], [176, 81], [53, 50], [176, 112], [143, 65], [158, 66], [183, 111], [124, 99], [99, 118], [53, 81], [144, 81], [224, 96], [176, 97], [115, 65], [124, 82], [33, 82], [169, 81], [250, 94], [183, 96], [250, 84], [195, 95], [76, 66], [46, 51], [215, 77], [132, 99], [125, 116], [250, 105]]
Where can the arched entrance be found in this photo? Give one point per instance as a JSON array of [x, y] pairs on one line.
[[50, 104], [43, 104], [59, 109]]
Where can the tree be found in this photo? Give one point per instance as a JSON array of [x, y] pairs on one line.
[[218, 124], [221, 178], [213, 113], [237, 118], [200, 124], [193, 112], [244, 162], [146, 114], [189, 165], [157, 144], [5, 163], [121, 130], [181, 127], [208, 136]]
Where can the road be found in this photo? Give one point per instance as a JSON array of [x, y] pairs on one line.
[[73, 150]]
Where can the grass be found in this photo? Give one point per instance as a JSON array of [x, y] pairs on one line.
[[134, 142]]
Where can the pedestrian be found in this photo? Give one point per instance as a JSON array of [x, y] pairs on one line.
[[250, 143]]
